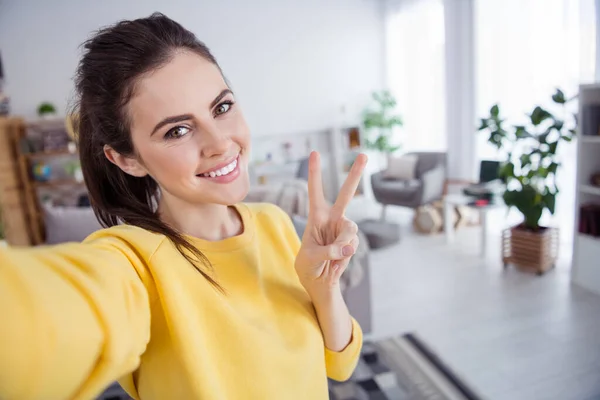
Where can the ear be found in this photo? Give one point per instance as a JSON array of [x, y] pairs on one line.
[[129, 165]]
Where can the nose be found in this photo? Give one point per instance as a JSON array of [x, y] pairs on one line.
[[214, 142]]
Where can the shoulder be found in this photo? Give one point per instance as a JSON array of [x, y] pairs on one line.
[[265, 213], [142, 241], [265, 210], [272, 216]]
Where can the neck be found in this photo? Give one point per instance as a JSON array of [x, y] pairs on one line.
[[211, 222]]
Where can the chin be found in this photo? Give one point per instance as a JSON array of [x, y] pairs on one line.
[[234, 193]]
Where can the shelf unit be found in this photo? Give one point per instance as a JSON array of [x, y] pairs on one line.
[[57, 183], [589, 189], [585, 271], [16, 212], [590, 139], [347, 143], [270, 165], [20, 193], [44, 154]]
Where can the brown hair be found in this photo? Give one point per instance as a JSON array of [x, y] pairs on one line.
[[113, 60]]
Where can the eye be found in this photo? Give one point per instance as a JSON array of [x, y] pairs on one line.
[[177, 132], [223, 107]]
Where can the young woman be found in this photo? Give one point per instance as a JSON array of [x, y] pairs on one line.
[[188, 293]]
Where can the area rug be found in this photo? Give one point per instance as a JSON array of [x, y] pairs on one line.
[[401, 368]]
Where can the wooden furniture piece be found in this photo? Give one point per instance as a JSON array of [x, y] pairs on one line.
[[529, 251], [17, 209], [22, 146], [428, 219]]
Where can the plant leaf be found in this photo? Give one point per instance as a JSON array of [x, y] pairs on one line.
[[558, 125], [553, 146], [507, 171], [495, 111], [559, 97], [539, 115], [521, 132], [483, 125], [543, 137], [550, 202]]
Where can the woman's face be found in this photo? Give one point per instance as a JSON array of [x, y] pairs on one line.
[[189, 134]]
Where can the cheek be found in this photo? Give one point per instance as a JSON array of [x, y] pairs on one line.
[[241, 132], [170, 162]]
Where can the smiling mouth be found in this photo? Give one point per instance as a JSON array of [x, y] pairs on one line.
[[223, 171]]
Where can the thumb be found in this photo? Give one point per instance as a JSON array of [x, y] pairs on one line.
[[335, 251]]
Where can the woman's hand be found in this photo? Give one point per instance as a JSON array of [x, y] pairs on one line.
[[330, 239]]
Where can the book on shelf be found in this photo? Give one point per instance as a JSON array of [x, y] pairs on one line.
[[589, 219], [590, 124]]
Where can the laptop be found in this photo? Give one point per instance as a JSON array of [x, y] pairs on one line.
[[490, 184]]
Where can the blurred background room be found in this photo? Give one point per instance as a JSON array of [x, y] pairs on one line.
[[479, 211]]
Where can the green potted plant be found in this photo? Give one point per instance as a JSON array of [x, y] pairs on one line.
[[379, 121], [529, 172], [46, 110]]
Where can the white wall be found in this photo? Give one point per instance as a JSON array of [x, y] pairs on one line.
[[292, 63]]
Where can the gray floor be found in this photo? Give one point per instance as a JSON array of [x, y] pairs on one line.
[[509, 334]]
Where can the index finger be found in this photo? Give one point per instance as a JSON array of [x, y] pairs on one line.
[[349, 187], [316, 198]]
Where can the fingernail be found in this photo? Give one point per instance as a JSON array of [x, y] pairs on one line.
[[347, 250]]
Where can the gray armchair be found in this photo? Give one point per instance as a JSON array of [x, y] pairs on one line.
[[428, 185]]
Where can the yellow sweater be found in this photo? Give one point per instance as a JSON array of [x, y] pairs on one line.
[[126, 305]]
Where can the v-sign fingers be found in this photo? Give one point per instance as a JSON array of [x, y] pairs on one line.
[[349, 187], [316, 197]]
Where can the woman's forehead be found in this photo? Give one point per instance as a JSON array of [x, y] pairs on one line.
[[187, 83]]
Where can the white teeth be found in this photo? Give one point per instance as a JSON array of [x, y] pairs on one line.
[[223, 171]]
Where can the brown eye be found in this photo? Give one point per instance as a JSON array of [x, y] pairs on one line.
[[177, 132], [222, 108]]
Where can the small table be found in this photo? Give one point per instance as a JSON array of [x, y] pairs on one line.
[[453, 200]]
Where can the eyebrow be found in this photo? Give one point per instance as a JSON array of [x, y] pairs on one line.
[[187, 117]]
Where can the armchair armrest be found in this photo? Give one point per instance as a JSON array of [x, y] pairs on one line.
[[376, 178], [433, 184]]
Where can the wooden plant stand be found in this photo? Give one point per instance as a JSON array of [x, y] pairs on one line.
[[535, 252]]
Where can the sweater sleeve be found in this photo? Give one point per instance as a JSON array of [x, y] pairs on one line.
[[341, 364], [73, 318]]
